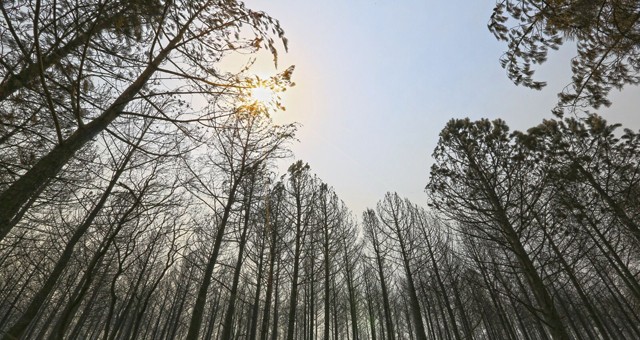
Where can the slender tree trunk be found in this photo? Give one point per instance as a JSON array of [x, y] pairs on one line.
[[273, 254], [334, 302], [327, 260], [227, 326], [538, 322], [159, 317], [581, 293], [385, 300], [18, 328], [149, 293], [351, 292], [312, 293], [123, 317], [505, 323], [631, 320], [177, 305], [255, 310], [461, 309], [413, 296], [276, 305], [87, 279], [611, 202], [82, 320], [372, 317], [113, 297], [430, 324], [18, 295], [543, 298], [296, 268], [610, 253], [198, 309], [407, 316], [383, 284], [436, 272]]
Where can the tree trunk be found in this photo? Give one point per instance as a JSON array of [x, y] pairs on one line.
[[18, 328], [227, 326], [273, 254], [543, 298], [296, 268], [253, 327], [198, 309]]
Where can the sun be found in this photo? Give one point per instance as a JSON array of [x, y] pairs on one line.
[[262, 95]]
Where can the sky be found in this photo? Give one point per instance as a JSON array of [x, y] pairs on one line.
[[377, 80]]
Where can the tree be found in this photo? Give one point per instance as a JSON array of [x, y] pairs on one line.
[[587, 151], [274, 213], [300, 189], [109, 81], [36, 303], [371, 226], [244, 144], [327, 218], [607, 33], [252, 185], [427, 227], [351, 252], [399, 225], [547, 220], [481, 180], [62, 29]]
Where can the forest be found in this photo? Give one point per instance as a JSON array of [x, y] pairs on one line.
[[141, 198]]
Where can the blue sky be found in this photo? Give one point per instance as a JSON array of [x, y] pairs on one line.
[[377, 80]]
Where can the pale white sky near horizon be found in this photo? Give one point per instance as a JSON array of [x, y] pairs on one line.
[[378, 79]]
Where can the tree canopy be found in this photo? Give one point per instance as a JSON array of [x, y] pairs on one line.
[[607, 34]]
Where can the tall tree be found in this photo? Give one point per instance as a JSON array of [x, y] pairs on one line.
[[426, 227], [399, 222], [371, 225], [115, 83], [248, 192], [479, 180], [350, 248], [246, 142], [274, 211], [300, 190], [34, 306]]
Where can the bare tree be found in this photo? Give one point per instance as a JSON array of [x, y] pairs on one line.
[[115, 84]]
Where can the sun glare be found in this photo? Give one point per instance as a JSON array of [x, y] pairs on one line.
[[262, 95]]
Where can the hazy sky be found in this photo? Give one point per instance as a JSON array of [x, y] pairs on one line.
[[378, 79]]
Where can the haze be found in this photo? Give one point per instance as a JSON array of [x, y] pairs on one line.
[[378, 80]]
